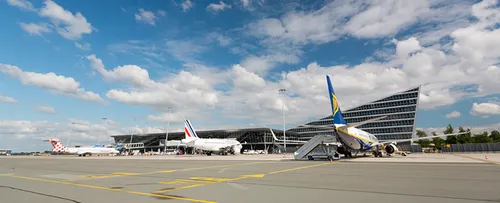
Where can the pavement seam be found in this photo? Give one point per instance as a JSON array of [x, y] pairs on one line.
[[111, 189], [210, 181], [478, 159], [125, 174]]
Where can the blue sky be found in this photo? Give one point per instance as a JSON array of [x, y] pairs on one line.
[[65, 65]]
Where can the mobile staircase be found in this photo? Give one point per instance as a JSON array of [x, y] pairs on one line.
[[309, 149]]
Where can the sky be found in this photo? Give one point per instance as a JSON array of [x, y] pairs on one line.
[[83, 70]]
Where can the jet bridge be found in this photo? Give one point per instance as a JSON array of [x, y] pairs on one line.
[[307, 150]]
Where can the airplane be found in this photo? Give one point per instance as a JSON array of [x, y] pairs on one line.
[[80, 151], [354, 139], [209, 146]]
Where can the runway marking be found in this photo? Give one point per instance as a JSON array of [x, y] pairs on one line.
[[302, 167], [111, 189], [190, 183], [124, 174], [478, 159], [194, 181]]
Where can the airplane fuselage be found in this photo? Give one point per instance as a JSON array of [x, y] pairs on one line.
[[214, 145], [90, 150], [356, 139]]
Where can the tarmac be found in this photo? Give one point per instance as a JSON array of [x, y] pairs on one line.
[[252, 178]]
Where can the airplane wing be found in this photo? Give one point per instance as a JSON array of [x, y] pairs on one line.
[[289, 141], [326, 127], [365, 122], [419, 138]]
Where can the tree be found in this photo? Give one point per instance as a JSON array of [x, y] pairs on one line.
[[421, 133], [449, 129], [464, 138], [423, 143], [482, 138], [437, 141], [450, 139], [495, 136]]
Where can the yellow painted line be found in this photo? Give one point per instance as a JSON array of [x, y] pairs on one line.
[[183, 182], [478, 159], [123, 174], [209, 181], [302, 167], [180, 188], [112, 189], [6, 174], [212, 180]]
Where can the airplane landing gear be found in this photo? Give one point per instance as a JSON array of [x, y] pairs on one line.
[[377, 154], [348, 154]]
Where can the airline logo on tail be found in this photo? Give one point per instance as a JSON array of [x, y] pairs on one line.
[[336, 112], [189, 130], [335, 104], [57, 145]]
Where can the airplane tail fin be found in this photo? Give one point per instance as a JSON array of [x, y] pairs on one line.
[[57, 145], [337, 113], [189, 131]]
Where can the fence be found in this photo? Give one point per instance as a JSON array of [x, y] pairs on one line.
[[471, 147]]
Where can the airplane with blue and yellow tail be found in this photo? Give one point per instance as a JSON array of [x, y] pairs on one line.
[[354, 139]]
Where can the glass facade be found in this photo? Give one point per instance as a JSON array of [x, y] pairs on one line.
[[399, 108]]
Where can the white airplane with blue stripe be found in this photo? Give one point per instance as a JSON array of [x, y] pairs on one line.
[[209, 146], [354, 139]]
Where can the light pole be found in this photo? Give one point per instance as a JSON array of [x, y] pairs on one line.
[[168, 125], [99, 138], [283, 109], [132, 137]]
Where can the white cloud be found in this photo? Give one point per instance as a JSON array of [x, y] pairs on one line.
[[178, 90], [21, 127], [145, 17], [386, 17], [321, 26], [485, 109], [246, 3], [85, 46], [68, 25], [258, 65], [133, 47], [50, 81], [186, 5], [218, 7], [162, 12], [46, 109], [35, 29], [221, 39], [128, 73], [184, 50], [7, 99], [23, 4], [406, 47], [453, 114]]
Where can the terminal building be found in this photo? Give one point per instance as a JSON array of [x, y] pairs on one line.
[[400, 109]]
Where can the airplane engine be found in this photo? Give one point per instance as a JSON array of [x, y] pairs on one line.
[[391, 148]]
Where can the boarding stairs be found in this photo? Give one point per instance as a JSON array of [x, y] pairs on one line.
[[311, 145]]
